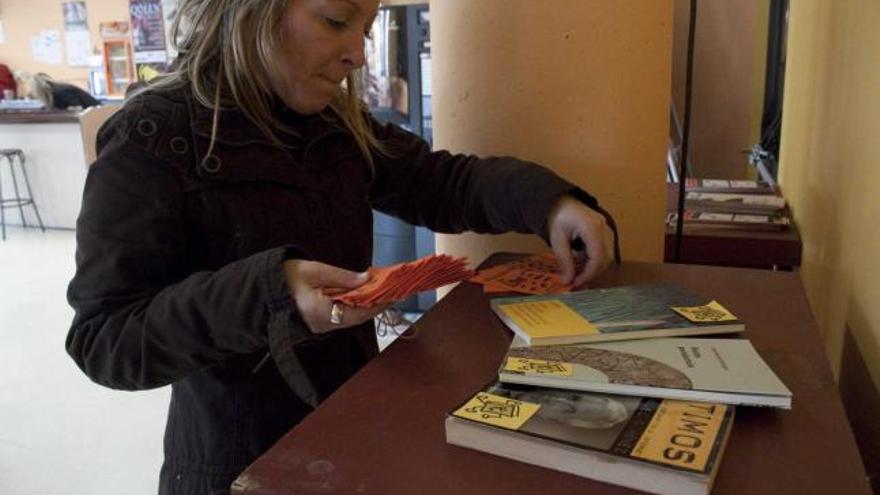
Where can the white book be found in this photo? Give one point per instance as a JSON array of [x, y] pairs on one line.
[[728, 371]]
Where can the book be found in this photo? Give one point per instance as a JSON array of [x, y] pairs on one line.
[[658, 446], [695, 219], [756, 204], [728, 186], [619, 313], [728, 371]]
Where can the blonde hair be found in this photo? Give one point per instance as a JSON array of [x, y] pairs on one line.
[[226, 49], [41, 89]]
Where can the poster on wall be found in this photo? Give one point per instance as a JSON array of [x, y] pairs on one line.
[[169, 10], [148, 31], [76, 33], [46, 47], [2, 33]]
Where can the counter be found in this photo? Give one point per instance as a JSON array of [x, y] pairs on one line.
[[59, 146]]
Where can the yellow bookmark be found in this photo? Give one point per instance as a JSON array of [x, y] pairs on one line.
[[712, 312], [538, 366], [497, 410]]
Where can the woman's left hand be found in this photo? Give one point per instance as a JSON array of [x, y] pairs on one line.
[[570, 220]]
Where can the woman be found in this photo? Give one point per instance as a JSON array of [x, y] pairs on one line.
[[60, 95], [229, 195]]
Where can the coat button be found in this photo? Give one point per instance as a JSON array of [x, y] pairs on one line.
[[147, 127], [179, 145]]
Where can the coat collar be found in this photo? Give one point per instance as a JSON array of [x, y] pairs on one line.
[[234, 128]]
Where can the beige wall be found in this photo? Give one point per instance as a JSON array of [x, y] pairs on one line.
[[728, 83], [829, 165], [581, 86], [23, 19]]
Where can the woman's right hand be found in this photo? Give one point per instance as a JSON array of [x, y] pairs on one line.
[[308, 283]]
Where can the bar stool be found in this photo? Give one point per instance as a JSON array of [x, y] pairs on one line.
[[16, 201]]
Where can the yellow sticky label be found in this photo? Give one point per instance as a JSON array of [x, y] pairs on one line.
[[681, 434], [704, 314], [550, 318], [538, 366], [497, 410]]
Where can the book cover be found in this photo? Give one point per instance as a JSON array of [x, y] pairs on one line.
[[715, 370], [659, 446], [619, 313]]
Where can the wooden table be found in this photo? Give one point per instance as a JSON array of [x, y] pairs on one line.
[[725, 246], [382, 432]]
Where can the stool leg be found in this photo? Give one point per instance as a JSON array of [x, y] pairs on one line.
[[2, 209], [18, 198], [30, 193]]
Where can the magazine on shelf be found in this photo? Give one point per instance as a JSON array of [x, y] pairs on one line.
[[757, 204], [728, 186], [697, 219]]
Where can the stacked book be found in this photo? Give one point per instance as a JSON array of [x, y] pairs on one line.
[[620, 385], [732, 203]]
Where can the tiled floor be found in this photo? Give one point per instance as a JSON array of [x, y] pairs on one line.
[[59, 432]]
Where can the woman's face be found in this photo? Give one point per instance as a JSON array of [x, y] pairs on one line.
[[322, 42]]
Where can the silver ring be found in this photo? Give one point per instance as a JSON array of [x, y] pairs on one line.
[[336, 314]]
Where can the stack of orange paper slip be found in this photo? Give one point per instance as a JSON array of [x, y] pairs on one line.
[[395, 283], [535, 274]]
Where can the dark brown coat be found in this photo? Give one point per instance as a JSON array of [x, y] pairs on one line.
[[179, 263]]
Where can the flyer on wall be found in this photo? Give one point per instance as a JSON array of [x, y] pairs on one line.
[[148, 31], [76, 33]]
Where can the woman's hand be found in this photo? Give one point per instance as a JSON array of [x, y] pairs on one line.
[[308, 281], [570, 220]]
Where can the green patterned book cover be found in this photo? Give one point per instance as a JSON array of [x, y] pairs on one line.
[[618, 313]]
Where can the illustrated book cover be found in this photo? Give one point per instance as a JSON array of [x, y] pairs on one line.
[[619, 313], [658, 446], [721, 370]]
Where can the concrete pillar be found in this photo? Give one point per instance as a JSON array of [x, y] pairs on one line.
[[580, 86]]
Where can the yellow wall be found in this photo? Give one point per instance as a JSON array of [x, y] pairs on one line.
[[830, 165], [581, 86], [23, 19]]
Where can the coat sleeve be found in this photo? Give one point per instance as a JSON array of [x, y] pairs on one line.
[[142, 319], [453, 193]]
